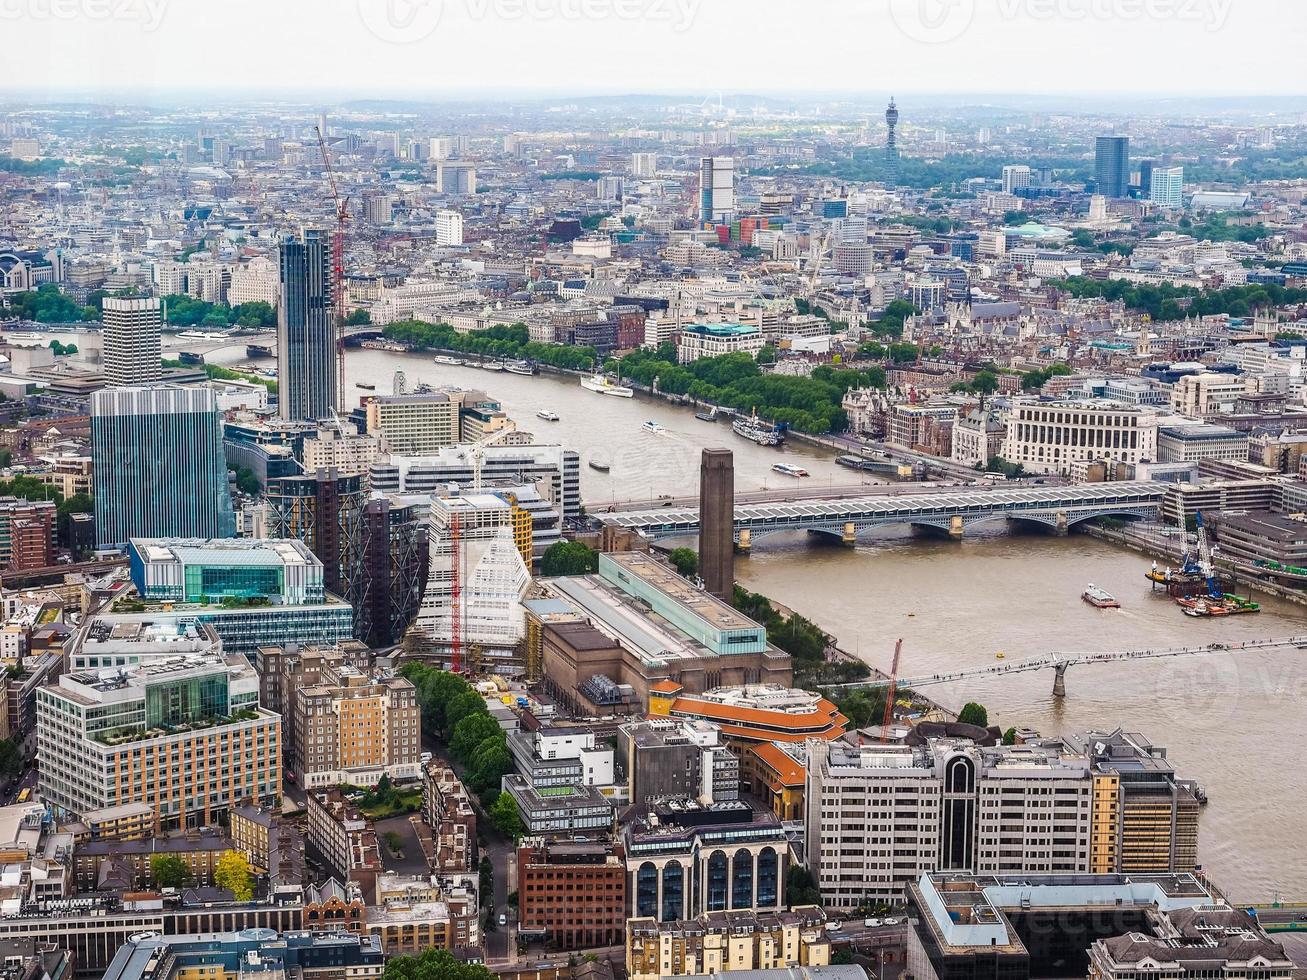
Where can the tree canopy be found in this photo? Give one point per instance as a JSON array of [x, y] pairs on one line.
[[233, 873], [569, 558]]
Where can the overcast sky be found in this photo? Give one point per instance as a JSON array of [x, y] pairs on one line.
[[426, 48]]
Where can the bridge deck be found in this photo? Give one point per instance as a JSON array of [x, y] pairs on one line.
[[902, 508]]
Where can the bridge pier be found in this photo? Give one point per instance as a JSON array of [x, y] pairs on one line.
[[1059, 681], [745, 544], [1060, 529], [850, 537], [955, 527]]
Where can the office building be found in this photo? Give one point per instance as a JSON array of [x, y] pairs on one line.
[[1200, 396], [414, 425], [1112, 166], [564, 756], [255, 281], [354, 728], [449, 228], [1059, 437], [492, 551], [252, 952], [571, 893], [1196, 441], [880, 816], [752, 714], [340, 447], [893, 165], [1146, 815], [716, 189], [715, 339], [1166, 187], [717, 522], [132, 340], [159, 466], [456, 178], [413, 914], [559, 809], [684, 859], [665, 758], [789, 945], [185, 735], [306, 331], [1021, 926], [1015, 178], [181, 570]]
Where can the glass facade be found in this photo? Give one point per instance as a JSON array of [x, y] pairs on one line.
[[189, 699], [768, 878], [306, 342], [646, 890], [159, 466], [673, 891], [717, 881], [241, 581], [742, 880]]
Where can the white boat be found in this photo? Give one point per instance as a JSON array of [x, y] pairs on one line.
[[653, 427], [446, 359], [604, 386], [521, 367], [547, 415], [22, 336], [789, 469], [756, 430], [201, 335]]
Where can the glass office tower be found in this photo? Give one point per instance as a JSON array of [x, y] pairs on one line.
[[306, 335]]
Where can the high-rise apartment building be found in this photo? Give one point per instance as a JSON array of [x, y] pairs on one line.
[[449, 228], [880, 816], [644, 164], [159, 465], [394, 575], [1015, 178], [1112, 165], [306, 335], [185, 735], [716, 189], [132, 341], [325, 511], [1166, 187], [26, 533], [717, 522], [353, 728]]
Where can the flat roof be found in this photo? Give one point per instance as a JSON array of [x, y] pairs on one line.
[[678, 588]]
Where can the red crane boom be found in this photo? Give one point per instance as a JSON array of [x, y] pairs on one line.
[[890, 692]]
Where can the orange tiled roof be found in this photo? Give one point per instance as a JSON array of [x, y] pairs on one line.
[[826, 722], [666, 687], [780, 762]]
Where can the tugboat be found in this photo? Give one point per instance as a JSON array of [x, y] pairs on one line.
[[1100, 598]]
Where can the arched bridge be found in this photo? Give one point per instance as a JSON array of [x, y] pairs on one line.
[[1058, 508]]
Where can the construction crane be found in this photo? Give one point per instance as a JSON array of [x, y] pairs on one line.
[[891, 692], [819, 251], [476, 455], [1205, 558], [337, 267]]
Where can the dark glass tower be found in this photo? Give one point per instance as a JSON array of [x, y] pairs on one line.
[[306, 335], [717, 522], [159, 465], [1112, 166], [892, 167]]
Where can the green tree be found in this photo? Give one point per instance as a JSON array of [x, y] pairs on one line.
[[462, 706], [11, 758], [985, 383], [801, 887], [569, 558], [170, 871], [247, 483], [358, 318], [686, 561], [433, 964], [973, 713], [1010, 736], [233, 873], [506, 817], [469, 733]]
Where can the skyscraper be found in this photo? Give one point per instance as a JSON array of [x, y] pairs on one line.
[[1112, 165], [1015, 178], [306, 336], [716, 189], [893, 170], [159, 466], [717, 522], [1166, 187], [132, 348]]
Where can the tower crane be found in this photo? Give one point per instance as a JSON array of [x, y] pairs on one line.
[[891, 691], [1205, 558], [337, 266]]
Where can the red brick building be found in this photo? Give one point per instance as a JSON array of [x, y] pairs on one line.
[[572, 894]]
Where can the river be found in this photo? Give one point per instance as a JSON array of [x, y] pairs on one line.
[[1230, 721]]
